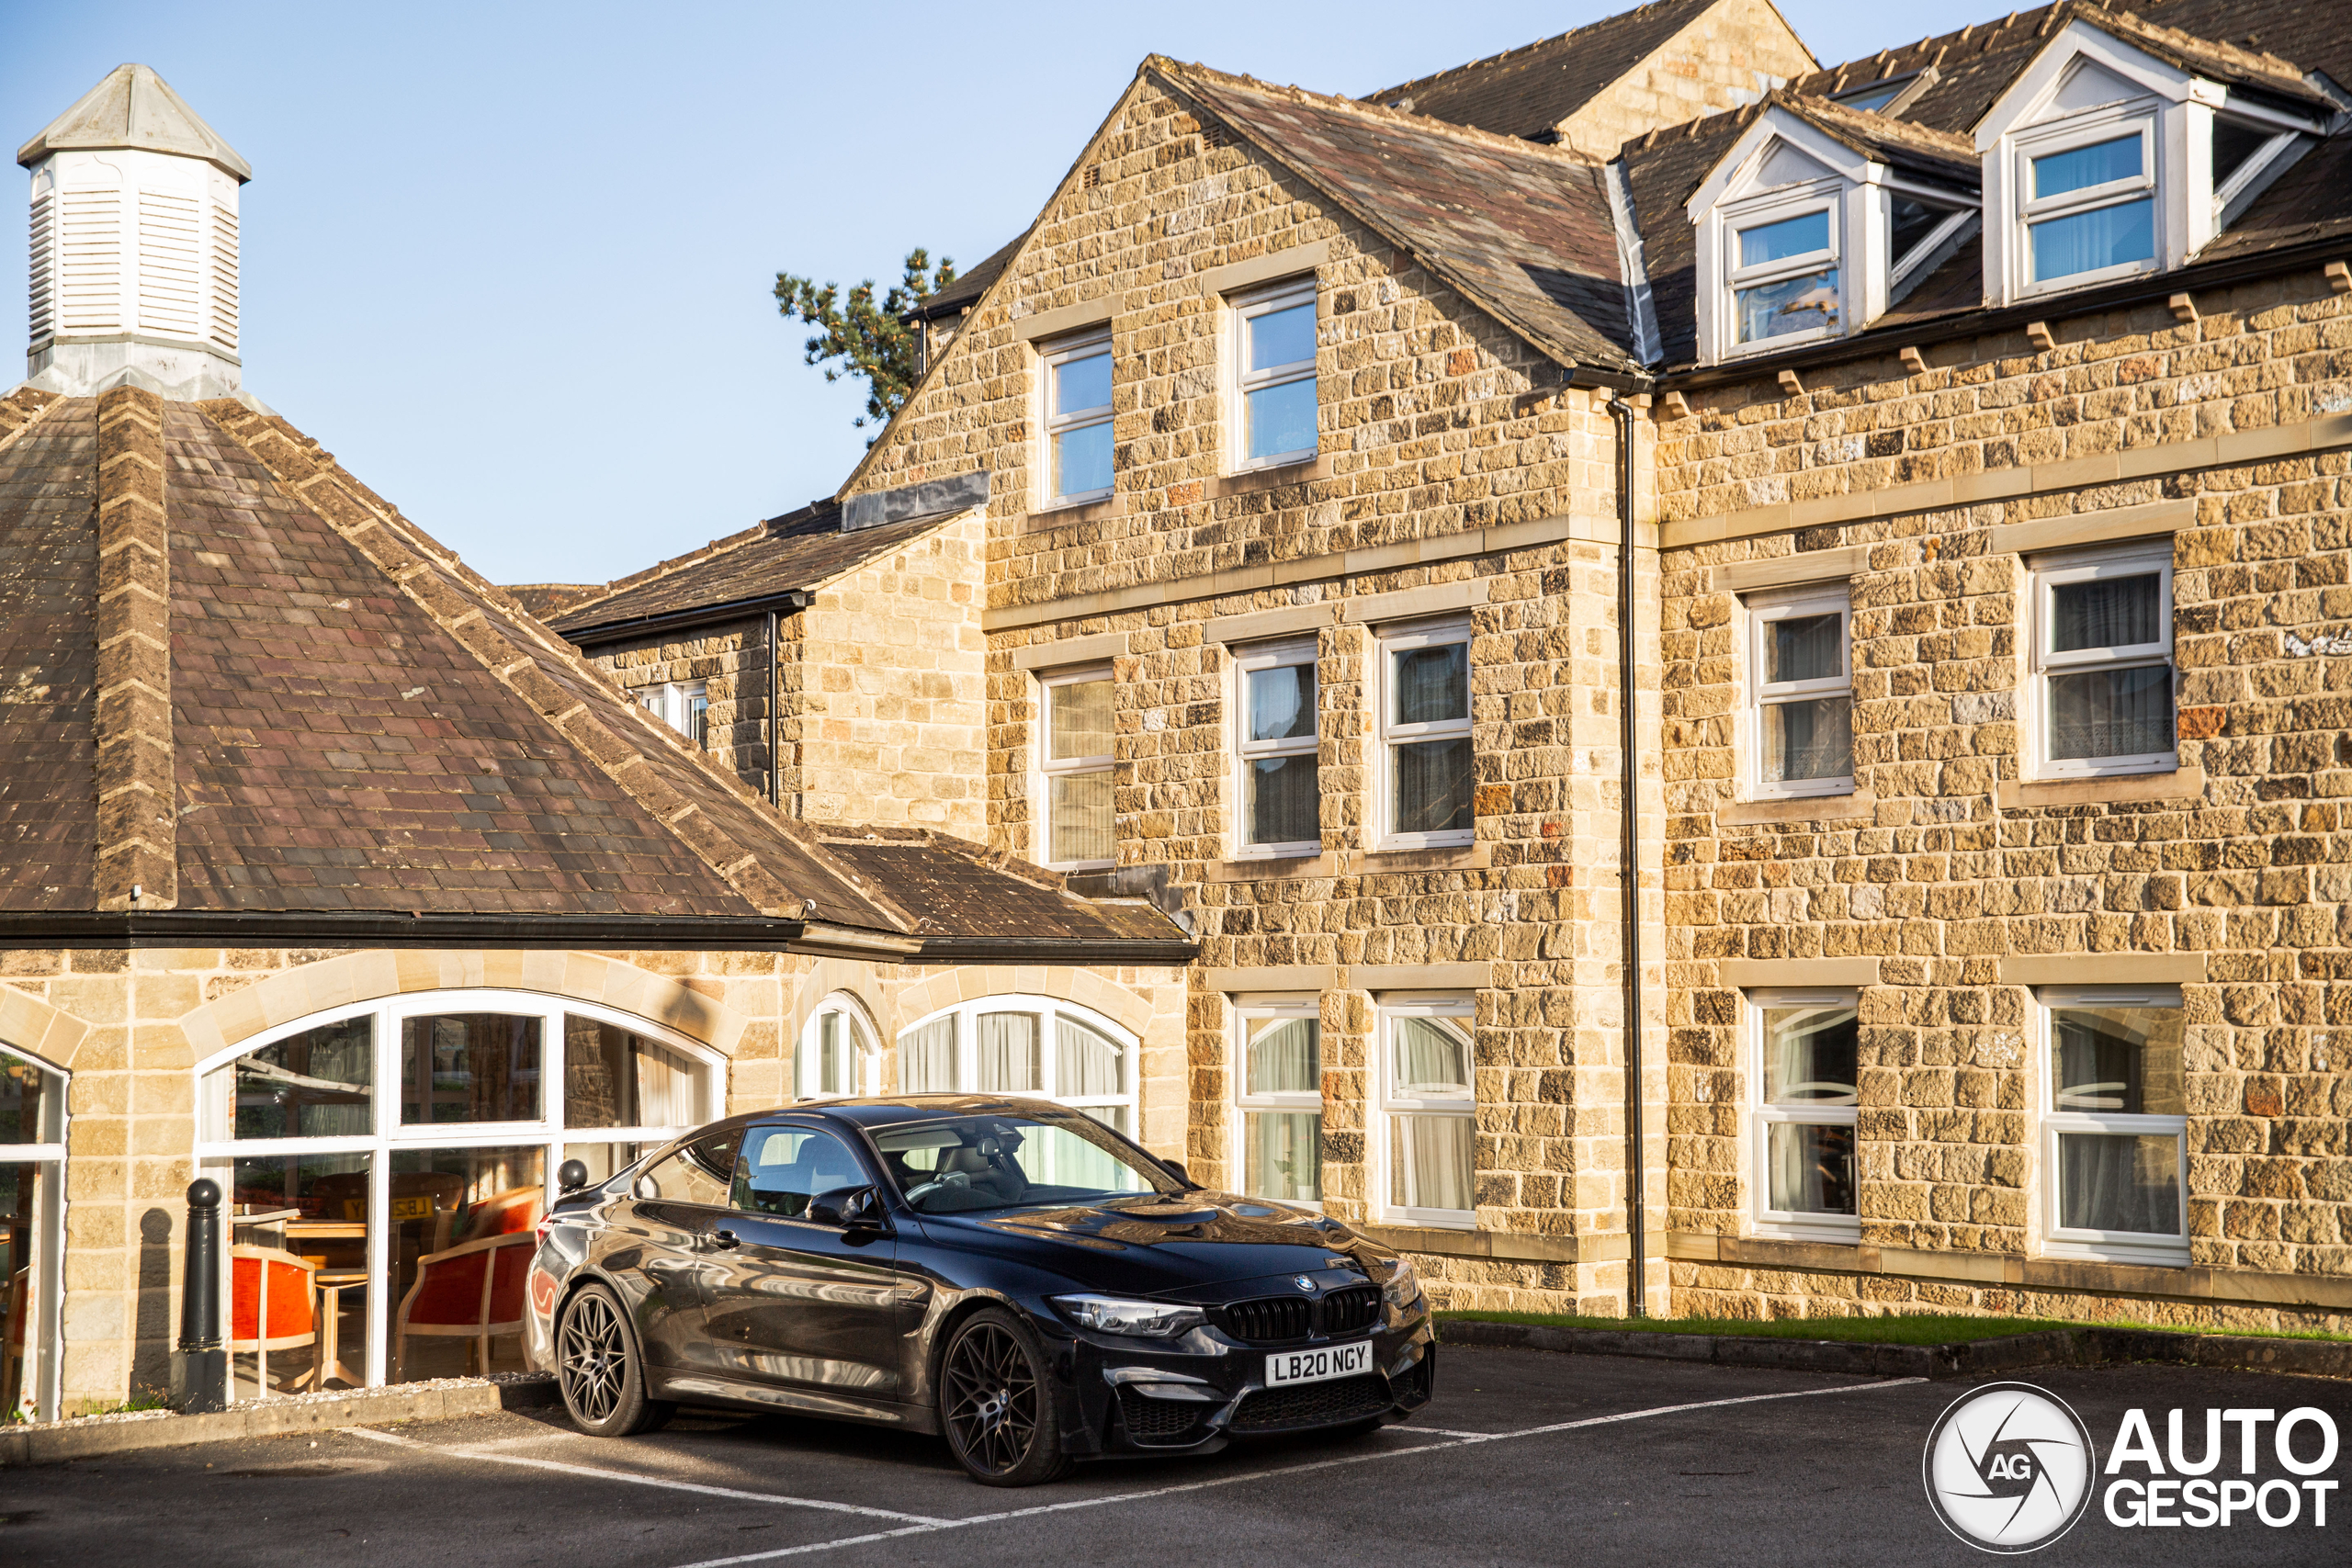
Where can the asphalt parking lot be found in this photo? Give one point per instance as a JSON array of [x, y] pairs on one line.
[[1524, 1457]]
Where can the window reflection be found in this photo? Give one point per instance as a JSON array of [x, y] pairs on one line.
[[317, 1084], [459, 1258], [297, 1267], [472, 1066], [613, 1078]]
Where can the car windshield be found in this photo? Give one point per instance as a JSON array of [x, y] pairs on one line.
[[971, 1163]]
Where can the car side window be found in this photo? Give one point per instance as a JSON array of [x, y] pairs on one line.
[[696, 1174], [783, 1167]]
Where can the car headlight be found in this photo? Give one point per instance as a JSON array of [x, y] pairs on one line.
[[1402, 1291], [1116, 1314]]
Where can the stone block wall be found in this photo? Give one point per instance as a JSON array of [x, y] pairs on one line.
[[733, 663], [1731, 56]]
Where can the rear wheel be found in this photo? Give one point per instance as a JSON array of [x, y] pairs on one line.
[[599, 1371], [995, 1406]]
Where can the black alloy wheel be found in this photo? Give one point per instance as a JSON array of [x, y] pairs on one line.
[[995, 1406], [598, 1369]]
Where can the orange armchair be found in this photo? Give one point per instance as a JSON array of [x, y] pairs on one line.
[[272, 1303], [473, 1291]]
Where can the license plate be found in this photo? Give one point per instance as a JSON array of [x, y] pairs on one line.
[[1318, 1366], [410, 1209]]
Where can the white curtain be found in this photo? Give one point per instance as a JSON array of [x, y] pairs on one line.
[[927, 1058], [2114, 1181], [1430, 1163], [1812, 1168], [1282, 1154], [1283, 1058], [1008, 1053], [665, 1086], [1433, 1059], [1087, 1064]]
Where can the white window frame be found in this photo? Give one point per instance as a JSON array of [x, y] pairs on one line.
[[1243, 309], [1389, 640], [1050, 767], [1048, 1010], [673, 702], [1763, 610], [1249, 1011], [2111, 123], [43, 1377], [215, 1155], [2044, 573], [1458, 1009], [2109, 1246], [1846, 1229], [808, 1059], [1293, 654], [1050, 425], [1793, 201]]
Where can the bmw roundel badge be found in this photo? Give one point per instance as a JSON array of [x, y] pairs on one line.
[[1305, 1283]]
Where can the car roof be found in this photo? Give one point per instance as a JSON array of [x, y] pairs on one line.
[[900, 1110]]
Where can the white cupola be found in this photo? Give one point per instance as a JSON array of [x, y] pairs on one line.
[[134, 246]]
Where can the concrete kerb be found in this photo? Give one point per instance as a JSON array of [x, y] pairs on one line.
[[88, 1436], [1973, 1357]]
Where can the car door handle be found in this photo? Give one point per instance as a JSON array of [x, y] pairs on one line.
[[725, 1240]]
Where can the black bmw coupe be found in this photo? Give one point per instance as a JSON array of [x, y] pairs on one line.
[[1012, 1275]]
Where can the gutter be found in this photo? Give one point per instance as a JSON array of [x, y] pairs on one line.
[[1173, 953], [790, 601], [315, 928], [1629, 814]]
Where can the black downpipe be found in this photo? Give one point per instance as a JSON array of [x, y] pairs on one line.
[[1630, 946], [776, 731]]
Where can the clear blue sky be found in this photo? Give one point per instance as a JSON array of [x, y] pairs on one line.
[[512, 262]]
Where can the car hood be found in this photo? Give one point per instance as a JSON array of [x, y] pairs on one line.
[[1182, 1244]]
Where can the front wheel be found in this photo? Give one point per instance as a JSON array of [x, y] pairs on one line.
[[995, 1406], [599, 1371]]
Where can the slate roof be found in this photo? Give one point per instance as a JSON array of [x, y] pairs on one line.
[[970, 284], [358, 723]]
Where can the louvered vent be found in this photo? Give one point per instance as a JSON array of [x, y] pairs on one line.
[[89, 292], [224, 277], [168, 245], [42, 264]]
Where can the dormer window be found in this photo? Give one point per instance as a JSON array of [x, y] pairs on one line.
[[1784, 281], [2090, 205]]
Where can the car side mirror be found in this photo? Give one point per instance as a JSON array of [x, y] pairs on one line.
[[852, 1208], [1178, 1166], [645, 1186], [572, 1176]]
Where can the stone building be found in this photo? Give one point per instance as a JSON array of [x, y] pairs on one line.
[[329, 872], [1837, 566]]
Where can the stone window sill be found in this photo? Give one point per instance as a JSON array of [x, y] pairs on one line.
[[1351, 862], [1254, 479], [1804, 808], [1046, 517], [2183, 783]]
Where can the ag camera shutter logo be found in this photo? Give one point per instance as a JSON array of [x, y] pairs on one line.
[[2009, 1468]]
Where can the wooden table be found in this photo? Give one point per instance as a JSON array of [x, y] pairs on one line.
[[330, 1283]]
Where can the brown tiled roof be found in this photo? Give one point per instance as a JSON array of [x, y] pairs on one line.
[[969, 284], [549, 600], [353, 722], [1534, 88], [799, 550], [1522, 231]]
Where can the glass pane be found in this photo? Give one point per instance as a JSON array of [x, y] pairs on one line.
[[1282, 337], [1870, 100], [1010, 1046], [2108, 611], [1284, 1056], [2123, 1060], [21, 1264], [698, 718], [1789, 237], [1081, 713], [1432, 786], [471, 1066], [297, 1279], [1913, 221], [2080, 168], [927, 1058], [783, 1167], [32, 1108], [1809, 740], [991, 1162], [1429, 686], [604, 1161], [1429, 1162], [1806, 303], [1282, 1156], [2234, 144], [1080, 812], [1430, 1059], [699, 1172], [1284, 797], [1804, 647], [1810, 1054], [462, 1249], [2111, 713], [319, 1083], [1088, 1064], [616, 1078], [1812, 1168], [1281, 702], [1082, 459], [1279, 419], [2105, 236], [2112, 1182], [1082, 384]]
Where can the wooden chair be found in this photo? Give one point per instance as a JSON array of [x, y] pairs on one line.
[[504, 1213], [12, 1344], [271, 1304], [472, 1290]]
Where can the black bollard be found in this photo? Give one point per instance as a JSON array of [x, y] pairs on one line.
[[200, 1371]]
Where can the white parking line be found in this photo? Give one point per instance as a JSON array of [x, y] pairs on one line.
[[1462, 1440], [921, 1521]]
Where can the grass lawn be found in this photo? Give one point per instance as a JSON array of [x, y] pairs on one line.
[[1924, 1328]]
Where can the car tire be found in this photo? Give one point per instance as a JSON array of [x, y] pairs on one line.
[[996, 1406], [598, 1369]]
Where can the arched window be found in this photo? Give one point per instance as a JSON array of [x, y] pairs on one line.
[[836, 1055], [32, 1235], [373, 1151], [1024, 1045]]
